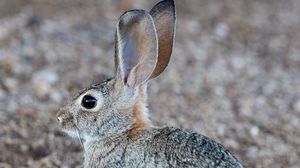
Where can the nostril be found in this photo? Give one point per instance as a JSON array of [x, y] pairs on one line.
[[59, 119]]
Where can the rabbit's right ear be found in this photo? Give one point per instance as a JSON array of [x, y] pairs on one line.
[[136, 48], [164, 17]]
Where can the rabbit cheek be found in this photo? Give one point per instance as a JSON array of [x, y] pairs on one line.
[[86, 123]]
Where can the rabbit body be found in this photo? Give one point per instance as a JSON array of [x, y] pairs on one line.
[[158, 148], [112, 117]]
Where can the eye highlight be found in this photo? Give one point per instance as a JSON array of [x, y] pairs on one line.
[[88, 102]]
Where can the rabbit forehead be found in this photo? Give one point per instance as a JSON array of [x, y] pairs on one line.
[[100, 88]]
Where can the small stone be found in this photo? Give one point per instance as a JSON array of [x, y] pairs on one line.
[[10, 84], [238, 63], [34, 21], [219, 91], [254, 131], [24, 148], [221, 30], [40, 152]]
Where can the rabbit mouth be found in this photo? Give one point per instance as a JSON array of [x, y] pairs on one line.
[[69, 127]]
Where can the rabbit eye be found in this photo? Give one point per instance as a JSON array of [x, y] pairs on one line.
[[88, 102]]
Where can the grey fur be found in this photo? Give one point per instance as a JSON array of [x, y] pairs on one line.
[[160, 147], [117, 131]]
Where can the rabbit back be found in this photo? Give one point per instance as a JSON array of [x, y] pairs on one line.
[[184, 148], [165, 147]]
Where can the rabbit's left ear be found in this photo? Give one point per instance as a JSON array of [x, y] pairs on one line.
[[136, 48]]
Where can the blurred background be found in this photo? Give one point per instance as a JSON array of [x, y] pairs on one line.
[[234, 75]]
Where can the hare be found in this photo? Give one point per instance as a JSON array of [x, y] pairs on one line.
[[112, 117]]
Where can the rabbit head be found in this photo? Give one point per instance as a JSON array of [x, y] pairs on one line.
[[143, 46]]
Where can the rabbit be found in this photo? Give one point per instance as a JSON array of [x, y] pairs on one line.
[[112, 117]]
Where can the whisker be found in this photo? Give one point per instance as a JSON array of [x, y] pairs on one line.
[[77, 131], [80, 139]]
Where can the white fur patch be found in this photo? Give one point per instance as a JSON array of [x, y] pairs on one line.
[[71, 133]]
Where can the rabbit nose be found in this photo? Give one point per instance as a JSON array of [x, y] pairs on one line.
[[60, 119]]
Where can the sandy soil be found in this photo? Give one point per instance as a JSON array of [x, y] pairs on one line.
[[234, 75]]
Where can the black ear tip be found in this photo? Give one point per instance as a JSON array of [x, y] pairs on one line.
[[167, 3], [163, 5], [170, 2]]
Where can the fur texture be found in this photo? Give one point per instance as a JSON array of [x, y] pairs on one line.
[[117, 131]]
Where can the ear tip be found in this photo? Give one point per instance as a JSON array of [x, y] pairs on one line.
[[168, 2], [163, 5], [133, 12], [133, 15]]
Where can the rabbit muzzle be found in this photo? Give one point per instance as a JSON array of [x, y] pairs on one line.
[[64, 118]]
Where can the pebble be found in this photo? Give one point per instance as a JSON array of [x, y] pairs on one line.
[[10, 84], [221, 30], [219, 91], [238, 62], [254, 131], [40, 152], [24, 148]]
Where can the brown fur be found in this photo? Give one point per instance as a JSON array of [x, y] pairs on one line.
[[141, 122], [116, 129]]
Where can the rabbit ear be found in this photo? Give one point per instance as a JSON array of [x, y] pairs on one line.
[[136, 48], [164, 18]]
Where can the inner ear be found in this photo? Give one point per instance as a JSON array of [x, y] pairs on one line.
[[136, 48], [164, 17]]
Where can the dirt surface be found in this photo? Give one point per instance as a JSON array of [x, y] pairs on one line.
[[234, 75]]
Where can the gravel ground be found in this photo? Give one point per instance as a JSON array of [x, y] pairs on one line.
[[234, 75]]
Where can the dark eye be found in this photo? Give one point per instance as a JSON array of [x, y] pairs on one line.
[[88, 102]]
